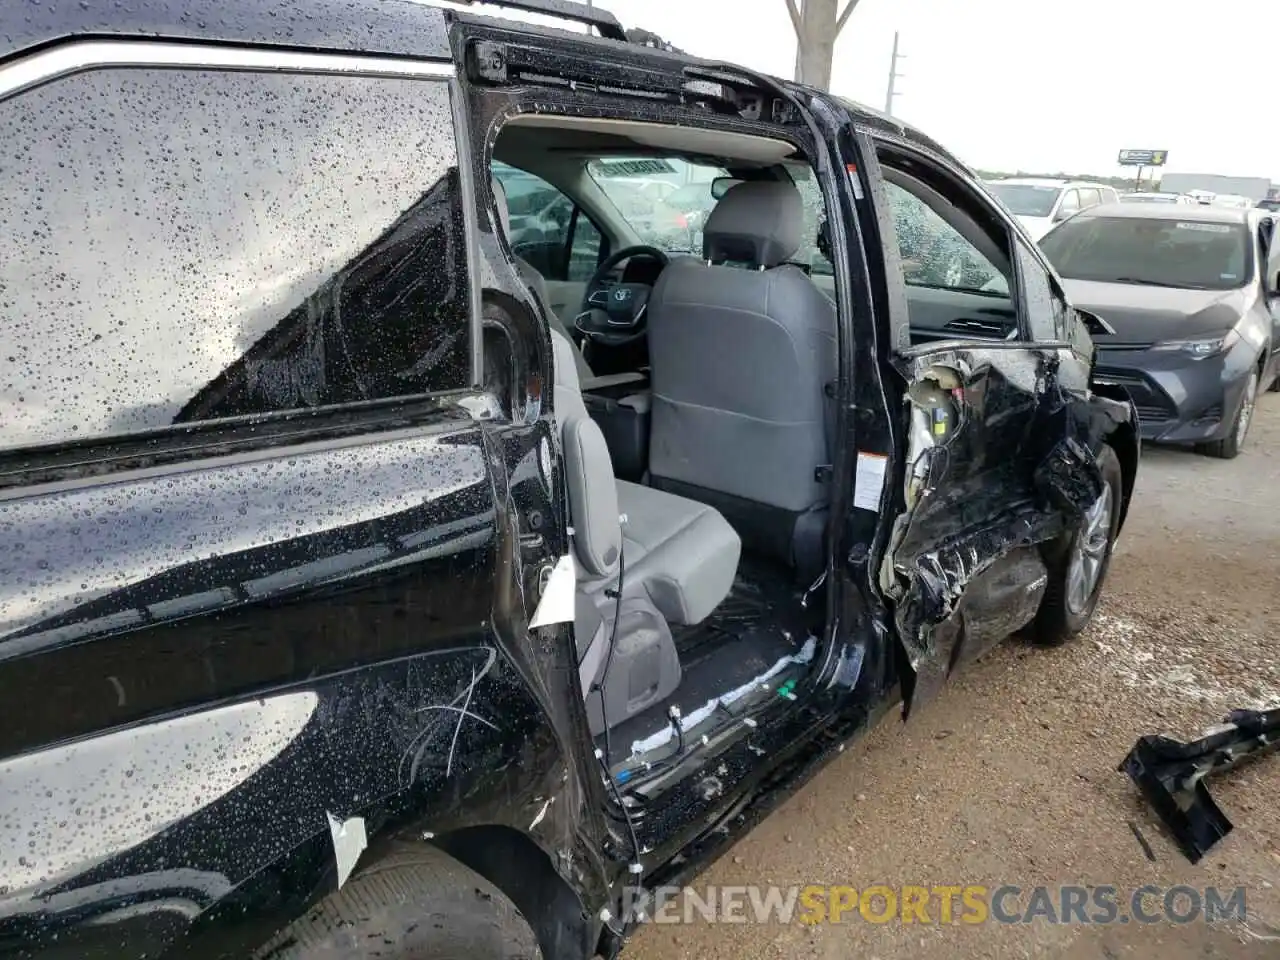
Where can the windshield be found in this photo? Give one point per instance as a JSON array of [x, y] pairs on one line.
[[1167, 253], [666, 201], [1024, 199]]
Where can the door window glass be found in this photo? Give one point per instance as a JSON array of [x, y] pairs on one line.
[[1070, 203], [934, 253], [547, 230], [1090, 198], [213, 244]]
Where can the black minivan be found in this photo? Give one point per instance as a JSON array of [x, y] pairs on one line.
[[376, 583]]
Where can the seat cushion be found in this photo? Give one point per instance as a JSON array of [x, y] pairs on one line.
[[684, 552]]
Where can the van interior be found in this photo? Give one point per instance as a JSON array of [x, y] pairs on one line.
[[694, 396]]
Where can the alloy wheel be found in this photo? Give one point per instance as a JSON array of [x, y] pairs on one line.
[[1246, 408], [1089, 553]]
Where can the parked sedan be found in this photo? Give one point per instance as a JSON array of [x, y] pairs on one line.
[[1189, 294]]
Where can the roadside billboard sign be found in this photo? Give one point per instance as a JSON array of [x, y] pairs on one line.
[[1143, 158]]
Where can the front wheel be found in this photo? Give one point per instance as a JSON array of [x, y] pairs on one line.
[[1077, 564], [1228, 448]]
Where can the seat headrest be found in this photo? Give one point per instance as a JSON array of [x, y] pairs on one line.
[[757, 222], [500, 198]]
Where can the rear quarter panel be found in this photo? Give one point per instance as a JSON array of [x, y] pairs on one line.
[[201, 664]]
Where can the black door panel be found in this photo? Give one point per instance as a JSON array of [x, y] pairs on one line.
[[945, 314]]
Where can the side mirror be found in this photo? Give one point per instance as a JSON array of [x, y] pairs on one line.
[[1095, 324], [720, 186]]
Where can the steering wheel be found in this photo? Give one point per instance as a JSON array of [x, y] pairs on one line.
[[615, 315]]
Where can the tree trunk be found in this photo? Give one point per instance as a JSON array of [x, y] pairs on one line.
[[817, 24]]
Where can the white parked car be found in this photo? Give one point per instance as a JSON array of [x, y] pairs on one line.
[[1039, 203], [1232, 200], [1157, 197]]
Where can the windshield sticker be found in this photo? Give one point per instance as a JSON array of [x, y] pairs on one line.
[[1204, 227], [1227, 276]]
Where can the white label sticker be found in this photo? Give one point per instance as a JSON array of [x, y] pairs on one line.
[[855, 183], [349, 841], [556, 605], [868, 480], [1205, 227]]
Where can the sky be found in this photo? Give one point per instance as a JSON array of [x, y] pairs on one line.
[[1026, 84]]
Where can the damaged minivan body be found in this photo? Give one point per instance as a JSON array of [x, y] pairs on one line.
[[457, 476]]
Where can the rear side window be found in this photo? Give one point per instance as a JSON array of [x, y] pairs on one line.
[[178, 246]]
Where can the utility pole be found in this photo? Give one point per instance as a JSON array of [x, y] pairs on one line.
[[893, 76], [817, 23]]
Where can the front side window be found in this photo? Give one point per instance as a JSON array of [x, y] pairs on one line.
[[1025, 199], [1070, 203], [179, 246], [547, 229], [934, 253], [1162, 252]]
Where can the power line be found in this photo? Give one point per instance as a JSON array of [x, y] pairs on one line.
[[894, 76]]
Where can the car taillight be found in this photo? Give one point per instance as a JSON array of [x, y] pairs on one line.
[[681, 220]]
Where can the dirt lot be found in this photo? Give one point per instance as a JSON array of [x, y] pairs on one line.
[[1009, 777]]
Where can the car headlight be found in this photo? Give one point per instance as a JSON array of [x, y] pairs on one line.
[[1199, 348]]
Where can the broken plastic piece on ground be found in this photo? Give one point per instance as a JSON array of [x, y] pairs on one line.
[[1170, 774]]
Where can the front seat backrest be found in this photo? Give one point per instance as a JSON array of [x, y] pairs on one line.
[[741, 356]]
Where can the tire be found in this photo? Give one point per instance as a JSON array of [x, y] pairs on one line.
[[414, 904], [1061, 616], [1228, 448], [1275, 384]]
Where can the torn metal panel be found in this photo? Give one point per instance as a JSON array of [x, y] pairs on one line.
[[962, 565], [1070, 477], [1171, 774], [967, 595]]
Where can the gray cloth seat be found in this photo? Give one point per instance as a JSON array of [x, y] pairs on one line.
[[536, 281], [676, 560], [683, 553], [742, 351]]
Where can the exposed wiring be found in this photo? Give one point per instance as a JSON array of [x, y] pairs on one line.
[[599, 685], [606, 758]]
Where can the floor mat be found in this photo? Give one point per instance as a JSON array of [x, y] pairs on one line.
[[758, 624], [762, 598]]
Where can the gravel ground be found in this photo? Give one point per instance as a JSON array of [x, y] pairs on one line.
[[1009, 776]]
